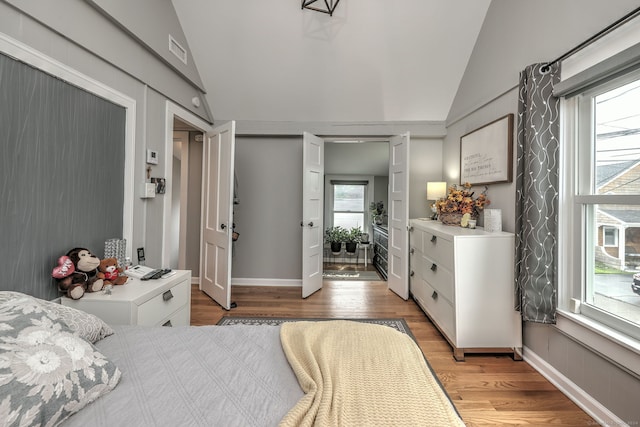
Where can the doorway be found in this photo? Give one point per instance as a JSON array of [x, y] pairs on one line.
[[356, 175], [183, 146]]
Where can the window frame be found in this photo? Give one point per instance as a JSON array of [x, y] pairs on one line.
[[611, 336], [329, 194]]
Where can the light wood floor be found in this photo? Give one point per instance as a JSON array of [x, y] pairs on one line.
[[486, 389]]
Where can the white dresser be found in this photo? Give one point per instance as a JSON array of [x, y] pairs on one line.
[[159, 302], [463, 280]]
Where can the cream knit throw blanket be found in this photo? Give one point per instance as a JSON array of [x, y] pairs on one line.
[[360, 374]]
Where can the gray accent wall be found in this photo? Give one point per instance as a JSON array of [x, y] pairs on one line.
[[62, 174], [489, 91], [80, 38]]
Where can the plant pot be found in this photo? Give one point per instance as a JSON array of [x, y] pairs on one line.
[[351, 247], [336, 247]]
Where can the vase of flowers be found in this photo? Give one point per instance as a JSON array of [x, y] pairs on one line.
[[460, 201]]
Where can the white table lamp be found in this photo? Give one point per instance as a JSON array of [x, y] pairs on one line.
[[436, 191]]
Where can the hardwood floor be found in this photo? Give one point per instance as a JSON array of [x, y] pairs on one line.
[[486, 389]]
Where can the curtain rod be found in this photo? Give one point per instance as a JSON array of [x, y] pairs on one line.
[[629, 16]]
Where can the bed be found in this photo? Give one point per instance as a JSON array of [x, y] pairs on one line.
[[241, 375]]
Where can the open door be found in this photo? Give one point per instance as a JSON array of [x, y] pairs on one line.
[[217, 213], [398, 251], [312, 212]]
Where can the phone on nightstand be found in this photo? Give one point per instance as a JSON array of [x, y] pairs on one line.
[[138, 271]]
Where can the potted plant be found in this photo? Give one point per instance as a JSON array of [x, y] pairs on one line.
[[335, 236], [377, 212], [352, 238]]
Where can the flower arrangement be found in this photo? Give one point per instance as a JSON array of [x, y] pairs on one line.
[[460, 200], [377, 210]]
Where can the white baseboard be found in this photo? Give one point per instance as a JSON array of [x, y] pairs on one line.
[[581, 398], [236, 281]]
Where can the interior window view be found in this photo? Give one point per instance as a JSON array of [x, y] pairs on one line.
[[330, 213]]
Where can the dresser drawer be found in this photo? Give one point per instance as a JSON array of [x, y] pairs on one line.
[[182, 317], [163, 305], [439, 277], [440, 310], [438, 249], [415, 239]]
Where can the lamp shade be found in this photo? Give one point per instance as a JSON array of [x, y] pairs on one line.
[[436, 190]]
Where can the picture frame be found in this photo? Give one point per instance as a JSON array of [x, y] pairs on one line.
[[486, 154]]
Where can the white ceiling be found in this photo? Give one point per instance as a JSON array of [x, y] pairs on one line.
[[373, 61]]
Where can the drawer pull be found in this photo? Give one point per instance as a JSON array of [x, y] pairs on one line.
[[167, 323], [412, 273], [412, 251], [434, 295], [434, 239], [167, 295], [434, 267]]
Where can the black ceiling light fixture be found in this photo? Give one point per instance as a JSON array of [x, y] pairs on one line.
[[330, 6]]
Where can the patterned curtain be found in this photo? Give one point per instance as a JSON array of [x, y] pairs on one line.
[[537, 194]]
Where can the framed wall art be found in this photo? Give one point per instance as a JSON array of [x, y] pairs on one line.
[[486, 154]]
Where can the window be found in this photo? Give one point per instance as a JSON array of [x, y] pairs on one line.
[[605, 200], [349, 202], [610, 236]]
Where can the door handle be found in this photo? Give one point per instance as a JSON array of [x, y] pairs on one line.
[[223, 226], [434, 267], [412, 251], [311, 224], [433, 239]]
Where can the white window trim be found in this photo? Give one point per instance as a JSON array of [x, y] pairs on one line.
[[620, 349]]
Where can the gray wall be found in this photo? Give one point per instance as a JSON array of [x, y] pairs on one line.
[[269, 171], [80, 37], [103, 36], [487, 92], [62, 173], [268, 217]]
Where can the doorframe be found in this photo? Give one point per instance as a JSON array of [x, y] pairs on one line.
[[173, 111]]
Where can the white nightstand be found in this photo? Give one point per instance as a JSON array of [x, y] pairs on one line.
[[159, 302]]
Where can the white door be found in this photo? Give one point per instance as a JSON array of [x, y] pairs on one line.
[[312, 212], [217, 213], [398, 216]]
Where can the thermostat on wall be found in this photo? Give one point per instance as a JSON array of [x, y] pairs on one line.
[[152, 157]]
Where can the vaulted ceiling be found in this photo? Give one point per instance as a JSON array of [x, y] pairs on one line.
[[372, 61]]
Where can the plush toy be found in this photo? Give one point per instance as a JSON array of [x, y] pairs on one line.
[[72, 285], [109, 271], [86, 265]]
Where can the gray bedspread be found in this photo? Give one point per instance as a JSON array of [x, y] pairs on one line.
[[194, 376]]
